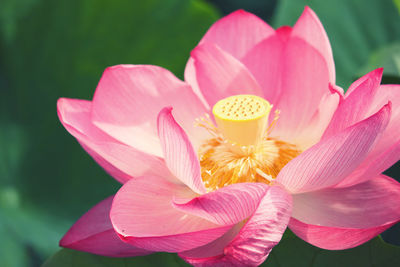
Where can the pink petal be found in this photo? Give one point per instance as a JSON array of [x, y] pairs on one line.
[[129, 98], [224, 33], [330, 161], [385, 94], [251, 244], [237, 33], [371, 168], [365, 205], [228, 205], [384, 153], [295, 85], [220, 75], [190, 78], [143, 215], [179, 154], [354, 106], [119, 160], [94, 233], [313, 132], [265, 62], [334, 238], [309, 28]]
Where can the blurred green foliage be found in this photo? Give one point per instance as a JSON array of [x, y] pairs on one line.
[[263, 9], [58, 49], [51, 49], [67, 258], [387, 57], [397, 3], [294, 252]]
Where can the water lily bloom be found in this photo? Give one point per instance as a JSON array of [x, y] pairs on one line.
[[257, 138]]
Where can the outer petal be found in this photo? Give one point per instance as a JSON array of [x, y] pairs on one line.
[[373, 167], [220, 75], [250, 245], [354, 106], [94, 233], [119, 160], [332, 237], [367, 205], [309, 28], [385, 94], [143, 215], [129, 98], [385, 151], [330, 161], [228, 205], [295, 85], [179, 154]]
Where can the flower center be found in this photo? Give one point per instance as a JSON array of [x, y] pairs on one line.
[[241, 150], [242, 119]]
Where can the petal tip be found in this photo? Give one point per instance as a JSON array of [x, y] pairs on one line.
[[375, 74], [309, 10], [66, 241], [62, 242], [241, 13], [387, 107], [336, 90], [379, 70], [166, 111], [309, 14]]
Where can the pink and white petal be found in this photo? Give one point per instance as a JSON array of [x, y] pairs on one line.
[[365, 205], [128, 99], [384, 153], [228, 205], [355, 105], [190, 78], [295, 85], [220, 75], [119, 160], [224, 33], [320, 120], [179, 154], [385, 94], [304, 82], [309, 28], [371, 168], [237, 33], [251, 244], [94, 233], [334, 238], [143, 215], [211, 253], [331, 160], [265, 62]]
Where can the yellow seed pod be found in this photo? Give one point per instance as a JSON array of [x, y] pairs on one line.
[[243, 119]]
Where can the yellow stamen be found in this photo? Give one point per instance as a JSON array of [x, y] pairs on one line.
[[241, 149], [221, 165], [242, 119]]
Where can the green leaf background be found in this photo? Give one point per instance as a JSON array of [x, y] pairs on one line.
[[51, 49]]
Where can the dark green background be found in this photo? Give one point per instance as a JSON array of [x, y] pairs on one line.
[[51, 49]]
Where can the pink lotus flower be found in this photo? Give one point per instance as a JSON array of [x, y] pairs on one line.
[[221, 191]]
